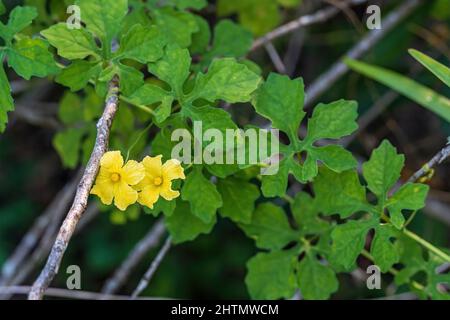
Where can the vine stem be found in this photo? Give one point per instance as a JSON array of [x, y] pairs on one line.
[[81, 197], [392, 271], [427, 245]]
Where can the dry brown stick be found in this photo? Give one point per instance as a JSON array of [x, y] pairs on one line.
[[150, 241], [81, 198], [70, 294], [440, 157], [30, 240], [153, 267], [303, 21], [336, 71]]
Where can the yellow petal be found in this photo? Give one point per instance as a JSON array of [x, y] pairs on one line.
[[167, 192], [133, 172], [112, 161], [124, 195], [153, 166], [105, 191], [149, 195], [172, 169]]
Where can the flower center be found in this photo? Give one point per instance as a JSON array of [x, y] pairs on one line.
[[115, 177], [157, 181]]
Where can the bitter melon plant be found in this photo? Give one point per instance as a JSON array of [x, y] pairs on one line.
[[313, 220]]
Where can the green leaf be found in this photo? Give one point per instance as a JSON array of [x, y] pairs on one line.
[[316, 281], [173, 68], [410, 196], [230, 40], [281, 100], [438, 69], [177, 26], [333, 121], [383, 170], [306, 213], [383, 251], [238, 198], [6, 100], [131, 79], [70, 109], [420, 94], [351, 197], [149, 94], [30, 57], [211, 118], [348, 242], [103, 18], [271, 275], [334, 157], [259, 16], [276, 185], [201, 38], [71, 43], [289, 3], [270, 227], [189, 4], [202, 196], [162, 206], [184, 226], [2, 8], [19, 19], [143, 44], [226, 80], [68, 144], [77, 75]]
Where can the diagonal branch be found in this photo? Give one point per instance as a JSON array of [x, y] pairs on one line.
[[150, 241], [440, 157], [81, 198], [153, 267], [31, 239], [303, 21], [326, 80]]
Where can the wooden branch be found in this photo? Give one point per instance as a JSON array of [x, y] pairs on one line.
[[153, 267], [70, 294], [150, 241], [81, 198], [440, 157], [329, 78], [275, 57], [303, 21], [31, 239]]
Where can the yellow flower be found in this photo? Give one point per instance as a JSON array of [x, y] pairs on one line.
[[158, 180], [114, 180]]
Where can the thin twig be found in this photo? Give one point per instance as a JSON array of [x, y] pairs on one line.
[[153, 267], [150, 241], [70, 294], [303, 21], [30, 240], [81, 197], [275, 57], [36, 117], [336, 71], [440, 157]]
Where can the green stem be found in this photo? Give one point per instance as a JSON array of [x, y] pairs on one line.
[[137, 140], [427, 245], [393, 271]]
